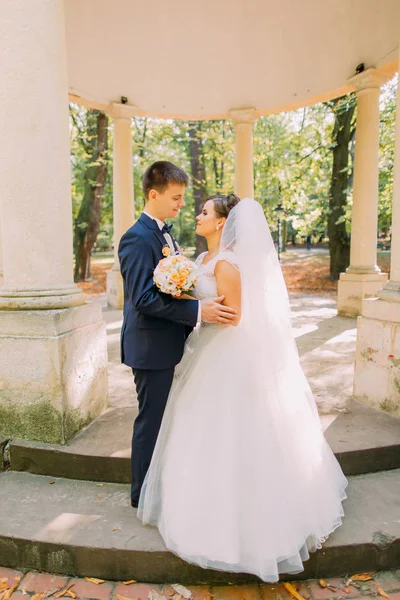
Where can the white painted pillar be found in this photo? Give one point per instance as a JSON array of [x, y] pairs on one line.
[[363, 277], [377, 364], [244, 180], [53, 363], [123, 195], [34, 163]]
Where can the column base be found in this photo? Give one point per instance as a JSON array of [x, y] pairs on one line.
[[115, 289], [354, 288], [377, 365], [41, 298], [53, 372]]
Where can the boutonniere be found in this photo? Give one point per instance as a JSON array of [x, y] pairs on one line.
[[166, 251]]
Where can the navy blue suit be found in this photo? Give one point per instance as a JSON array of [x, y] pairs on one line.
[[153, 335]]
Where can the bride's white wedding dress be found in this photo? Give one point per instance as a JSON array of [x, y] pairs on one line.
[[242, 478]]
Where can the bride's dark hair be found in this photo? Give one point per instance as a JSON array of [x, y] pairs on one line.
[[224, 204]]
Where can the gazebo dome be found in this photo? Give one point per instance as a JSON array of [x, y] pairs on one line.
[[201, 59]]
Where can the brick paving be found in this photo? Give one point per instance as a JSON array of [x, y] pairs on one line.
[[32, 583]]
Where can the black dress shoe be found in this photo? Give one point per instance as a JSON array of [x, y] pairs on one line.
[[134, 504]]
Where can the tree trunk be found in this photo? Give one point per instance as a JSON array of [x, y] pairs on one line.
[[87, 223], [339, 243], [284, 235], [197, 163]]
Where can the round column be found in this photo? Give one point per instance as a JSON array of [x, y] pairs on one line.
[[244, 180], [364, 221], [35, 161], [363, 278], [123, 196]]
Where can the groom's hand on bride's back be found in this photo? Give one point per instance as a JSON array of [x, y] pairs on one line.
[[213, 311]]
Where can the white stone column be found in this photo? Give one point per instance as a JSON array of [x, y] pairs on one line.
[[123, 197], [52, 346], [377, 366], [244, 180], [363, 278]]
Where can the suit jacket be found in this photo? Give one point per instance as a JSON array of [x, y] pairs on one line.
[[155, 325]]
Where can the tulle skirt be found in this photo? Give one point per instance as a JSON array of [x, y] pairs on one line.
[[241, 479]]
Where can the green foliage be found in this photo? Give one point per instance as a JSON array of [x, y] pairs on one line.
[[386, 155], [80, 141], [292, 164]]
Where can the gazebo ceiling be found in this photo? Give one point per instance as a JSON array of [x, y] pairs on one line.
[[199, 59]]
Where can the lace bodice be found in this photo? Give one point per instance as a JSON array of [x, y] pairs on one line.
[[207, 284]]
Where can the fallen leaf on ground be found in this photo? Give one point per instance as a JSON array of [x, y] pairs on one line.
[[333, 588], [362, 577], [346, 590], [71, 594], [62, 591], [382, 593], [292, 591], [94, 579], [24, 592], [97, 500], [6, 595], [117, 529], [3, 579], [39, 596], [17, 578], [51, 592], [130, 581], [322, 583], [100, 484], [119, 597], [51, 482], [182, 590], [3, 585]]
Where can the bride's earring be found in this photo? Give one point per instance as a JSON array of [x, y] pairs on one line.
[[217, 227]]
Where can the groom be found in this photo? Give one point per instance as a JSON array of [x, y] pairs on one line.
[[155, 325]]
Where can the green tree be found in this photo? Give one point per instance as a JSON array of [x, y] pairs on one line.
[[93, 137], [339, 242]]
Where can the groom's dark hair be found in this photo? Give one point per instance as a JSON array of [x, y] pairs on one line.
[[160, 174]]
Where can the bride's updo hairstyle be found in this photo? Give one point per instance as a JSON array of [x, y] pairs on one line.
[[224, 204]]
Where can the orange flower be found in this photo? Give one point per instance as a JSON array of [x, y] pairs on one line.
[[175, 277], [166, 251]]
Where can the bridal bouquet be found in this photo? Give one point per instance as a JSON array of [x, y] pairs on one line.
[[175, 274]]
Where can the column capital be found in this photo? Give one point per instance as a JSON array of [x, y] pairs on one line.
[[244, 115], [116, 110], [368, 79]]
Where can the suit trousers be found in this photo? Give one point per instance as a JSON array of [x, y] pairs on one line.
[[152, 387]]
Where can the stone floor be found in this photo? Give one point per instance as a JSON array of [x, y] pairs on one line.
[[39, 586]]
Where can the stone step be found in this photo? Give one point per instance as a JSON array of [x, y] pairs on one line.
[[364, 440], [82, 528]]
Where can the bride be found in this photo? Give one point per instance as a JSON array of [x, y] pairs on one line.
[[242, 478]]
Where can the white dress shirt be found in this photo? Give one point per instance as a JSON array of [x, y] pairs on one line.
[[170, 243]]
